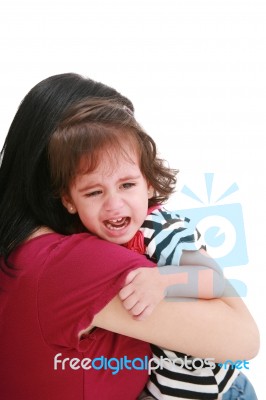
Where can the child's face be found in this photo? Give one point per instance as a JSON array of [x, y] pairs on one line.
[[111, 201]]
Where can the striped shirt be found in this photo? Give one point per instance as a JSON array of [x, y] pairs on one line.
[[179, 376]]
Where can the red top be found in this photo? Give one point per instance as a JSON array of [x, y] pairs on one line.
[[60, 284]]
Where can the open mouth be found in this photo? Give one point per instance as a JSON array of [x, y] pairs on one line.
[[117, 224]]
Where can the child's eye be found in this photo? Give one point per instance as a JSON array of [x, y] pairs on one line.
[[128, 185], [93, 194]]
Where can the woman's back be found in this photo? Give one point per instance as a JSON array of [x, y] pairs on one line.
[[44, 307]]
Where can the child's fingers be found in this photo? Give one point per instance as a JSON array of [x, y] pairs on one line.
[[125, 292], [130, 276], [144, 314], [130, 302], [138, 309]]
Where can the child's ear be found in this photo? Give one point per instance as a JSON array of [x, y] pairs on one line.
[[150, 191], [68, 204]]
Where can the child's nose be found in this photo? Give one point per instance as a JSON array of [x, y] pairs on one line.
[[113, 202]]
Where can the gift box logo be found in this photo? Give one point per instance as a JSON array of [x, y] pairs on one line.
[[221, 226]]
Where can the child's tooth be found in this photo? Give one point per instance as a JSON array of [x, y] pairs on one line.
[[115, 220]]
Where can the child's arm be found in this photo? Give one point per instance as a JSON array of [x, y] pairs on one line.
[[199, 276], [186, 270], [205, 279]]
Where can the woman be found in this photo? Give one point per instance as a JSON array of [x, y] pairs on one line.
[[65, 334]]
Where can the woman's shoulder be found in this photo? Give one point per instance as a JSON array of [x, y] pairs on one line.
[[48, 247], [50, 240], [79, 250]]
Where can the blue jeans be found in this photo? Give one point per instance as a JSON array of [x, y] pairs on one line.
[[241, 389]]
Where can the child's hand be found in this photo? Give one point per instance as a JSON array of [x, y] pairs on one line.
[[143, 290]]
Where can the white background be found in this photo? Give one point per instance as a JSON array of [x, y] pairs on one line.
[[195, 71]]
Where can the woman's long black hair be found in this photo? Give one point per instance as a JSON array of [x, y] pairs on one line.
[[26, 198]]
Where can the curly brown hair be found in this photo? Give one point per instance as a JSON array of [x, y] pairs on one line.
[[96, 126]]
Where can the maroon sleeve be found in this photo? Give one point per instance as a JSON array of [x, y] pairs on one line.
[[82, 274]]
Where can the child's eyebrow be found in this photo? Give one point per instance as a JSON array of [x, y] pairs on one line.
[[88, 187], [93, 185], [129, 178]]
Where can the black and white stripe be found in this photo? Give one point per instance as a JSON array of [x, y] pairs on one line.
[[166, 235], [173, 381]]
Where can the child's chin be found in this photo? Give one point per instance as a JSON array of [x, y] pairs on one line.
[[116, 240]]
